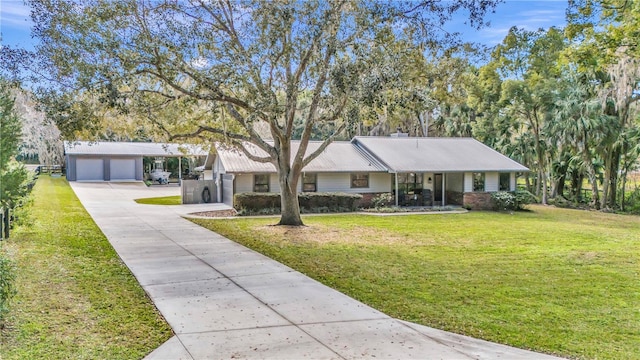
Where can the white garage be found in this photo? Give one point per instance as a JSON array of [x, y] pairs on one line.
[[122, 169], [88, 169]]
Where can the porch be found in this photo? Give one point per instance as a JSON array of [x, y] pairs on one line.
[[427, 189]]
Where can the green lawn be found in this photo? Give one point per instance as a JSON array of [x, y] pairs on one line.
[[558, 281], [164, 200], [76, 299]]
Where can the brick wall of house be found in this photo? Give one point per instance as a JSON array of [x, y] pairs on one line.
[[478, 200]]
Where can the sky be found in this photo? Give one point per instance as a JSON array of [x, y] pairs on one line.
[[531, 15]]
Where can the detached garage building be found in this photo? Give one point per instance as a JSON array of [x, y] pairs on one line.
[[117, 161]]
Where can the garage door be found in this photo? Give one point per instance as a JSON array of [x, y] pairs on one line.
[[122, 169], [89, 170]]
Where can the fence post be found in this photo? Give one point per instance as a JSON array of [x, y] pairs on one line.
[[5, 222]]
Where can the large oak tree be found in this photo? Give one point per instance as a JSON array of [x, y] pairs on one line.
[[252, 68]]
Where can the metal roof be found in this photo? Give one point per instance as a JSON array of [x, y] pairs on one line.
[[132, 148], [339, 156], [414, 154]]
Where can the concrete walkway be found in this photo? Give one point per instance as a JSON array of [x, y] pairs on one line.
[[224, 301]]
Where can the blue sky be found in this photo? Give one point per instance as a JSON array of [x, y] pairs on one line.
[[531, 15]]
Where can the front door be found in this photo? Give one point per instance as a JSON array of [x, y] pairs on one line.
[[437, 189]]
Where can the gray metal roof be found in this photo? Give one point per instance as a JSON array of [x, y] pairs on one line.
[[411, 154], [132, 148], [339, 156]]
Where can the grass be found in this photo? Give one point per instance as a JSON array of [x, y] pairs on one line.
[[76, 299], [164, 200], [552, 280]]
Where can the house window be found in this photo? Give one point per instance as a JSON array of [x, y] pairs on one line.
[[261, 183], [478, 182], [410, 183], [505, 182], [309, 182], [359, 180]]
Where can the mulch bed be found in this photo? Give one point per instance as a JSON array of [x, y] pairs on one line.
[[216, 213]]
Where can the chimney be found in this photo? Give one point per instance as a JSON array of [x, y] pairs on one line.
[[399, 134]]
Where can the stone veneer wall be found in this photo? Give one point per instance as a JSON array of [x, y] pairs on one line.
[[478, 200]]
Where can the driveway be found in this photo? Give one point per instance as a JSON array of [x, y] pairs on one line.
[[224, 301]]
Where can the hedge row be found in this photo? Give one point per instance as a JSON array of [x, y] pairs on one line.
[[254, 202]]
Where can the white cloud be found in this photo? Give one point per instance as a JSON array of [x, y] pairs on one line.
[[15, 14]]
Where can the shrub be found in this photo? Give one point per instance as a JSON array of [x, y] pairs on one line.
[[269, 203], [632, 201], [511, 201], [382, 200], [524, 198], [7, 289], [504, 200]]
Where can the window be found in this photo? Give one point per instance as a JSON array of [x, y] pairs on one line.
[[409, 183], [359, 180], [478, 182], [309, 181], [505, 182], [261, 183]]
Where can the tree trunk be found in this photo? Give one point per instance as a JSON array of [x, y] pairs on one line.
[[559, 186], [604, 200], [591, 173], [623, 189], [6, 222], [613, 181], [542, 179], [290, 207], [578, 188]]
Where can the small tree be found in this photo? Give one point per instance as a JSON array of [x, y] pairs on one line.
[[12, 175]]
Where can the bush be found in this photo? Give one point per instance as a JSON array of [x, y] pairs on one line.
[[7, 289], [524, 198], [512, 201], [382, 200], [632, 201], [269, 203]]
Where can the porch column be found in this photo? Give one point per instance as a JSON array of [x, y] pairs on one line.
[[444, 187], [179, 169], [396, 177]]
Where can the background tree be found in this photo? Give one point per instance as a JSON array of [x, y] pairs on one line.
[[527, 61], [604, 43], [249, 63], [41, 140], [12, 174]]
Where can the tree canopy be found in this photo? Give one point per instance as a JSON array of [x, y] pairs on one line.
[[12, 174], [244, 68]]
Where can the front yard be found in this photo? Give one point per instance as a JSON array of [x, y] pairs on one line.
[[558, 281], [76, 299]]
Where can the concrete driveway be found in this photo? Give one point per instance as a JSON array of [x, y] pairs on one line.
[[224, 301]]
